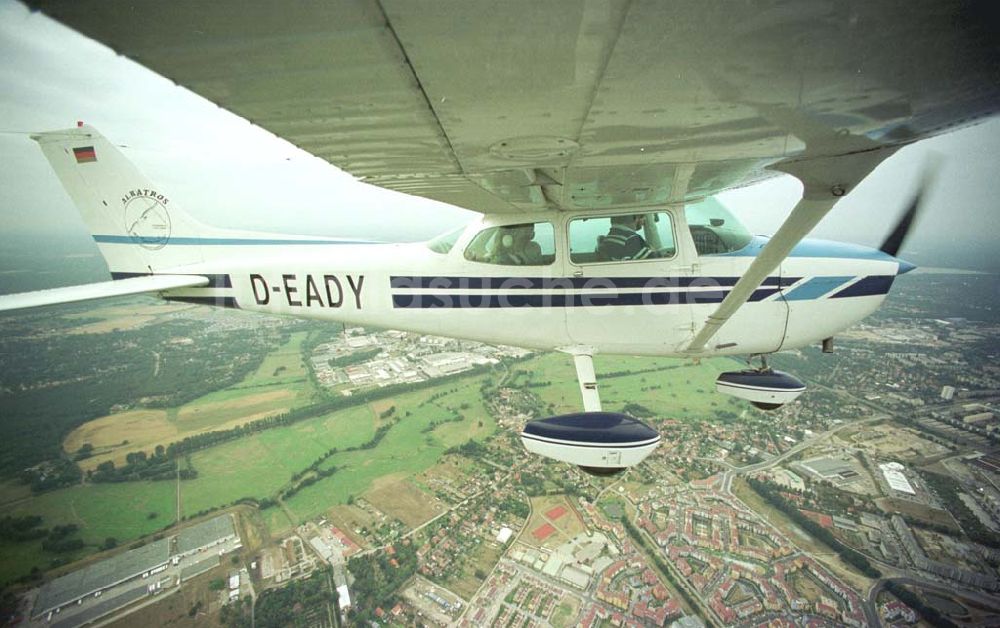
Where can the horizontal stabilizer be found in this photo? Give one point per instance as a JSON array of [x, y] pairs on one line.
[[104, 289]]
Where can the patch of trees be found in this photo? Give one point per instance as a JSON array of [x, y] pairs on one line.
[[458, 418], [354, 358], [299, 603], [20, 529], [58, 539], [471, 449], [139, 466], [532, 484], [376, 580], [51, 474], [948, 490], [638, 410], [515, 506], [849, 555], [911, 599], [317, 475]]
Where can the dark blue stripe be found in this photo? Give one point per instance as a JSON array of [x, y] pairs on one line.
[[188, 241], [571, 283], [214, 280], [487, 301], [227, 302], [869, 286]]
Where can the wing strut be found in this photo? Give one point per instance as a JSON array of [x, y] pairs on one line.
[[825, 180], [583, 359]]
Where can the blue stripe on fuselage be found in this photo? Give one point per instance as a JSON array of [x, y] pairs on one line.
[[573, 283], [522, 300], [816, 248], [816, 287], [192, 241]]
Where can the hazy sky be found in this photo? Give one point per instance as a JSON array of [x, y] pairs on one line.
[[230, 173]]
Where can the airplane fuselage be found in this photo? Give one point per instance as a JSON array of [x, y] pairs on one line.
[[648, 307]]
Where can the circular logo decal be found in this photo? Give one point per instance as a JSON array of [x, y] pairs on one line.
[[147, 222]]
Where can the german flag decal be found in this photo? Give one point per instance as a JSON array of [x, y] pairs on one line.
[[84, 154]]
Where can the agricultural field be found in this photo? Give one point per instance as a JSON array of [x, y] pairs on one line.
[[122, 315], [278, 385], [402, 499], [258, 465]]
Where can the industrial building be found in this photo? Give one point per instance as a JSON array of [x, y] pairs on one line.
[[136, 564], [94, 579], [893, 473]]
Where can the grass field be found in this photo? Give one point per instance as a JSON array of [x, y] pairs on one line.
[[679, 389], [101, 510], [257, 466], [407, 449], [279, 384], [404, 500]]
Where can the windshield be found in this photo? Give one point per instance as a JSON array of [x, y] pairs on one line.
[[444, 242], [714, 228]]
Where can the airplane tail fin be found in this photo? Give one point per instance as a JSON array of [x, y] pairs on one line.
[[137, 227]]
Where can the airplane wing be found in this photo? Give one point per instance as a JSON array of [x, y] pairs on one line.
[[568, 104], [101, 290]]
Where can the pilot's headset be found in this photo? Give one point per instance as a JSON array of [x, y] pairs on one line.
[[507, 240]]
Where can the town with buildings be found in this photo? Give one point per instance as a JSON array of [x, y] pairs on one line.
[[873, 501]]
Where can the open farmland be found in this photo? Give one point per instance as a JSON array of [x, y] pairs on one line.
[[278, 385], [257, 466]]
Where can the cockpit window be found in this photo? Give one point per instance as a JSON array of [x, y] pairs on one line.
[[621, 238], [527, 244], [444, 242], [714, 229]]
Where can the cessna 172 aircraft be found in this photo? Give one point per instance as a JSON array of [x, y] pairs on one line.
[[591, 136]]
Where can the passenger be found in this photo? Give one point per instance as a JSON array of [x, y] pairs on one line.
[[516, 247], [623, 241]]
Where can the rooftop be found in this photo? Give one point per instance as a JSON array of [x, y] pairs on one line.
[[101, 575], [205, 533]]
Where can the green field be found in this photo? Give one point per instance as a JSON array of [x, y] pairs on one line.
[[686, 391], [406, 450], [281, 370], [101, 510], [257, 466]]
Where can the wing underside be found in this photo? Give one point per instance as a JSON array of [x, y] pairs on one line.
[[101, 290], [566, 104]]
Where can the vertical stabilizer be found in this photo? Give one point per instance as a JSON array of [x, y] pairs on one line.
[[137, 226]]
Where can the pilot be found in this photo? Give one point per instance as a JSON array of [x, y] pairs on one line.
[[516, 246], [623, 241]]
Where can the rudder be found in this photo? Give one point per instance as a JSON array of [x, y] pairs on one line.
[[137, 227]]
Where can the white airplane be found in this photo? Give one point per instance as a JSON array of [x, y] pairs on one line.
[[591, 136]]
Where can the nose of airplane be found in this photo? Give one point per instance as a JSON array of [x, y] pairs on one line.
[[904, 266]]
